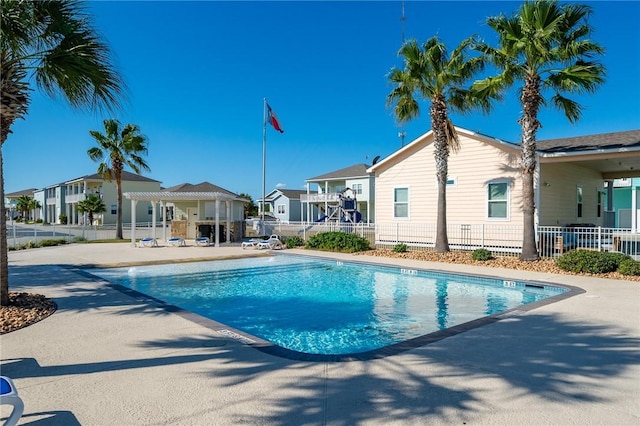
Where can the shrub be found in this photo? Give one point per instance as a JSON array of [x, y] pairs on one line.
[[293, 242], [629, 267], [338, 241], [590, 262], [49, 243], [63, 219], [481, 254], [400, 248]]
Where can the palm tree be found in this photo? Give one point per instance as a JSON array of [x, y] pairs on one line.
[[91, 205], [117, 148], [250, 208], [431, 74], [23, 205], [54, 44], [33, 206], [546, 46]]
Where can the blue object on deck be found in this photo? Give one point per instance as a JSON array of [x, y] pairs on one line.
[[9, 395]]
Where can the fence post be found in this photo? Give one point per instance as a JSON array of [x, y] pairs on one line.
[[482, 230], [397, 231], [599, 238]]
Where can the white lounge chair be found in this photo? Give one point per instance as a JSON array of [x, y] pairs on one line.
[[250, 243], [176, 241], [148, 242], [202, 241], [272, 243], [9, 395]]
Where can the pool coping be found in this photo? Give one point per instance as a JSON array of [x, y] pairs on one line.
[[270, 348]]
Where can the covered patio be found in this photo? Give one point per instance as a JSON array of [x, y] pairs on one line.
[[163, 198]]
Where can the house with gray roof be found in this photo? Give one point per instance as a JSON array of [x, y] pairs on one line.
[[285, 205], [328, 191], [572, 183]]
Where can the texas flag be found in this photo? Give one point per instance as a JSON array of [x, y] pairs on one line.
[[273, 120]]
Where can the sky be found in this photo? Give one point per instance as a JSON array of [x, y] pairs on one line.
[[197, 74]]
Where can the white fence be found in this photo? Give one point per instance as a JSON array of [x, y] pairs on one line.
[[19, 234], [499, 239]]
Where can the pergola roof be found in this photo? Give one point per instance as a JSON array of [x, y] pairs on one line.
[[181, 196]]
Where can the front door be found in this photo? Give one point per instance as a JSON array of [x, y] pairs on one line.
[[192, 217]]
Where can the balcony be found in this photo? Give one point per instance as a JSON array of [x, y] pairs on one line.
[[74, 198], [331, 197]]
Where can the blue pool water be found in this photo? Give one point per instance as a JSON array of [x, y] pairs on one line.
[[318, 306]]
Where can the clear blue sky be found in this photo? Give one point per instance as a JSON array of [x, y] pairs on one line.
[[197, 73]]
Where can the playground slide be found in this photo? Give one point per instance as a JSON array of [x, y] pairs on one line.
[[321, 219]]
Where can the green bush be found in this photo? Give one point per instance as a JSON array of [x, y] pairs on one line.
[[338, 241], [49, 243], [481, 254], [590, 262], [63, 219], [400, 248], [629, 267], [293, 242]]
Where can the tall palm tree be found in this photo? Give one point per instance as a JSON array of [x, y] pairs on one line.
[[546, 46], [432, 75], [91, 205], [54, 44], [118, 147]]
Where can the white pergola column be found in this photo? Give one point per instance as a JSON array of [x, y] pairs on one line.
[[164, 220], [228, 233], [217, 230], [133, 221], [153, 218], [634, 209]]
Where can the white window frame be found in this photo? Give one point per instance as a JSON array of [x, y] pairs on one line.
[[408, 202], [452, 182], [357, 188], [278, 206], [579, 202], [508, 200]]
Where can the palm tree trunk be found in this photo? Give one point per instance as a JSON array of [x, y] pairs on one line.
[[4, 258], [531, 100], [439, 121]]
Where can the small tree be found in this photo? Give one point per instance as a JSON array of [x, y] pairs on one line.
[[91, 205], [23, 204], [250, 207]]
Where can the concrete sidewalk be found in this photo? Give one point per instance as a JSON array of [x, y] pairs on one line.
[[105, 358]]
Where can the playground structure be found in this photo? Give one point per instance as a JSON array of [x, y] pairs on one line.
[[346, 211]]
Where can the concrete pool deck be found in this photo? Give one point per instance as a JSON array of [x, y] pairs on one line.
[[105, 358]]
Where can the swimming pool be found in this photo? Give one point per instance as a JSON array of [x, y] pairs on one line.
[[327, 307]]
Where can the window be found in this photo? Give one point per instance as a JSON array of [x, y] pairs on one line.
[[599, 206], [579, 202], [150, 209], [114, 208], [356, 188], [498, 200], [400, 203], [281, 209]]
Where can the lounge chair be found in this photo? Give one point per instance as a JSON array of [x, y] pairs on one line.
[[272, 243], [9, 395], [202, 241], [176, 241], [148, 242], [250, 243]]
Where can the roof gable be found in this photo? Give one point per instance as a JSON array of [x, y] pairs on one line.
[[427, 138], [355, 171]]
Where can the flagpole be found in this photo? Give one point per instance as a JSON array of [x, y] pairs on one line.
[[264, 163]]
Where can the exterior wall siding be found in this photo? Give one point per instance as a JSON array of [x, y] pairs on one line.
[[558, 194], [472, 167]]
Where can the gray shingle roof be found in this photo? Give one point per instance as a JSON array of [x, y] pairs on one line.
[[292, 194], [126, 176], [18, 194], [626, 139], [357, 170], [200, 187]]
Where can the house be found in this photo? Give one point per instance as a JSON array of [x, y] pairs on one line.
[[623, 194], [64, 198], [484, 186], [200, 210], [354, 183], [11, 201], [285, 205]]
